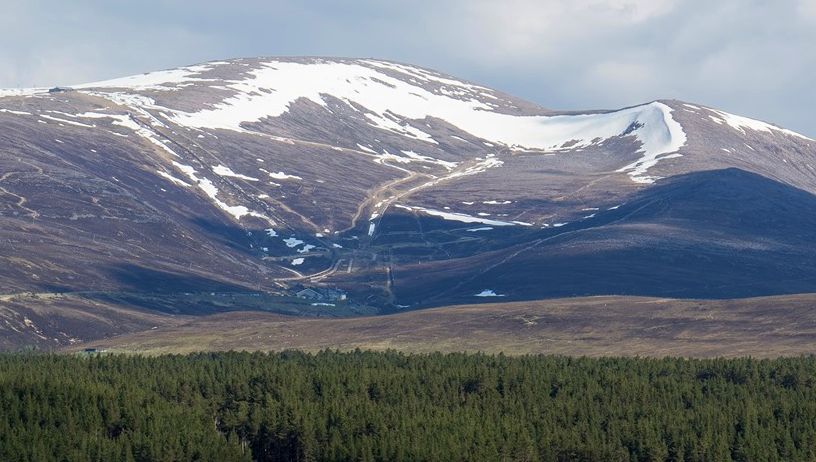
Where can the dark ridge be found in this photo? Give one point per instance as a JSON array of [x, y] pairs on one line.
[[712, 234]]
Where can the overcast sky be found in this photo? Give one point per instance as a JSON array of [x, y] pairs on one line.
[[751, 57]]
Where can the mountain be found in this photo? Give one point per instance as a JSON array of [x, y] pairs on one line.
[[382, 187]]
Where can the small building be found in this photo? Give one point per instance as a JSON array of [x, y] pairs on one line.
[[334, 294], [309, 294], [321, 294], [91, 351]]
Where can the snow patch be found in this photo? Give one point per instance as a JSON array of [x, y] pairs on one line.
[[128, 122], [6, 92], [69, 122], [390, 102], [226, 171], [166, 80], [306, 248], [399, 104], [292, 242], [366, 149], [741, 123], [237, 211], [488, 293], [281, 175], [660, 136], [174, 179], [451, 216], [9, 111], [420, 158]]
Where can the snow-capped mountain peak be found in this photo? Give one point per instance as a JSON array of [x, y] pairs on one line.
[[396, 98], [399, 99], [361, 173]]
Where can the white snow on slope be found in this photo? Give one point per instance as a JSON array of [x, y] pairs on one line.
[[424, 75], [274, 86], [396, 104], [461, 217], [173, 179], [4, 92], [431, 160], [411, 156], [292, 242], [211, 191], [306, 248], [281, 175], [388, 122], [479, 167], [661, 136], [159, 80], [399, 98], [9, 111], [740, 123], [128, 122], [135, 102], [391, 102], [488, 293], [65, 121], [366, 149], [226, 171]]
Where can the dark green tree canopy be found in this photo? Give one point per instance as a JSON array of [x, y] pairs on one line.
[[391, 406]]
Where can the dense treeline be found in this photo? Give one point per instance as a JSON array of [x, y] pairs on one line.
[[389, 406]]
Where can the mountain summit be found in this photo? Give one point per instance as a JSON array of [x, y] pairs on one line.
[[393, 185]]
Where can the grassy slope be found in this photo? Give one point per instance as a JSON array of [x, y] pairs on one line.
[[593, 326]]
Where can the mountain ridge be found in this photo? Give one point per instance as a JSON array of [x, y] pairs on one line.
[[267, 176]]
